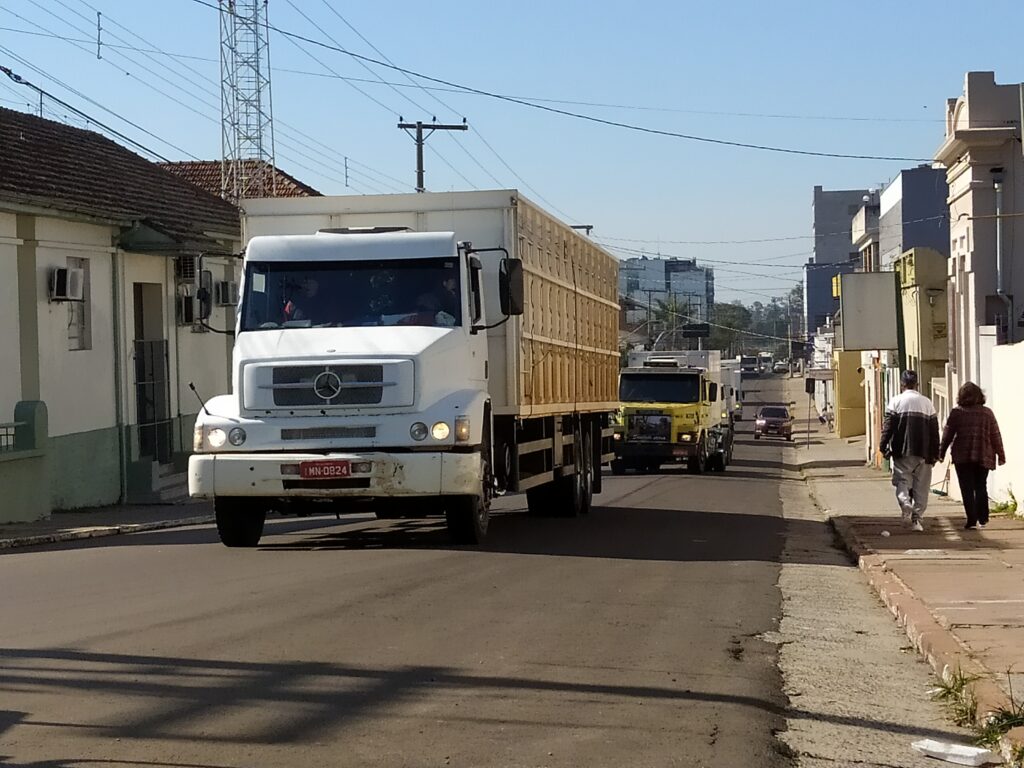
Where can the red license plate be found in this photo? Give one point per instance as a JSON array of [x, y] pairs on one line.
[[319, 470]]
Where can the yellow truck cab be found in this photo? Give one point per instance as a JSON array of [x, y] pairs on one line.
[[673, 409]]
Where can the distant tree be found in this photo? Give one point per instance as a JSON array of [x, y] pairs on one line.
[[730, 321]]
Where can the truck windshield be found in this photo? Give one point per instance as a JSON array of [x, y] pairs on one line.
[[319, 294], [659, 388]]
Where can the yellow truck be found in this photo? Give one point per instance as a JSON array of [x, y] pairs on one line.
[[673, 407]]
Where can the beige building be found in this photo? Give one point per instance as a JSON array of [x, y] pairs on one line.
[[982, 154], [100, 277], [985, 172]]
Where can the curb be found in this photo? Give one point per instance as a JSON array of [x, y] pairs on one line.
[[77, 534], [940, 647]]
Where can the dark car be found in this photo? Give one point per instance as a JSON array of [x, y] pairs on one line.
[[774, 420]]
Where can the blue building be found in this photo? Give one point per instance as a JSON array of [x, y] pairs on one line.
[[833, 252]]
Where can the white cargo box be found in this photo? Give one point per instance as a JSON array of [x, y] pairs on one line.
[[562, 354]]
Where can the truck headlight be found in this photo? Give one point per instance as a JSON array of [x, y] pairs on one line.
[[685, 437], [725, 414], [216, 438], [462, 429], [440, 431], [236, 436], [418, 431]]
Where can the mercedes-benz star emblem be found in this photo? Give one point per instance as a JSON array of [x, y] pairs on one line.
[[327, 385]]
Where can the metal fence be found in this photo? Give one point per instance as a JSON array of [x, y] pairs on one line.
[[7, 431]]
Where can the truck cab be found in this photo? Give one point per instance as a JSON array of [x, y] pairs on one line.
[[671, 412], [358, 371]]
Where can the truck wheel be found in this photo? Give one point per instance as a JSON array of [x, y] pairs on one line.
[[540, 500], [699, 462], [588, 472], [467, 516], [569, 490], [239, 521]]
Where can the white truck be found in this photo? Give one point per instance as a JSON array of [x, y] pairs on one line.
[[418, 352]]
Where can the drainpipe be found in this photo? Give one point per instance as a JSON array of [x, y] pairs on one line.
[[122, 448], [1000, 271]]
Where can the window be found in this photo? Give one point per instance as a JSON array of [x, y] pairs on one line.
[[79, 332], [352, 294]]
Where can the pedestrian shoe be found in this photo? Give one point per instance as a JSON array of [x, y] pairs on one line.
[[969, 526], [917, 526], [982, 525]]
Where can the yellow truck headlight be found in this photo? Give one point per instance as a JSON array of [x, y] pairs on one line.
[[685, 437], [440, 431]]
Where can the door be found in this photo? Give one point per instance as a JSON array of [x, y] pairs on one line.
[[152, 379]]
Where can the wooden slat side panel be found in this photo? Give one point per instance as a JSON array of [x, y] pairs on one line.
[[568, 340]]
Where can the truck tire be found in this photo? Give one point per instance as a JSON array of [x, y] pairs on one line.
[[540, 500], [570, 490], [239, 521], [588, 471], [699, 463], [467, 517]]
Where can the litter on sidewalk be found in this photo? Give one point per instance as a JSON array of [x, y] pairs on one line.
[[961, 754]]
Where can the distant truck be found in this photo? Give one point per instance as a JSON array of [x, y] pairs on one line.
[[418, 352], [732, 379], [749, 365], [674, 408]]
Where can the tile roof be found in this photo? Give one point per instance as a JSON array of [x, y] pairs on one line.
[[51, 165], [206, 174]]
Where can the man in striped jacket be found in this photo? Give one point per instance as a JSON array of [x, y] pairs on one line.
[[910, 437]]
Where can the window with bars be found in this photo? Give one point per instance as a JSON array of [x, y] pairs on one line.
[[79, 332]]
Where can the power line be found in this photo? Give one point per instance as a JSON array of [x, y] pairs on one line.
[[21, 81], [318, 160], [815, 236], [591, 118]]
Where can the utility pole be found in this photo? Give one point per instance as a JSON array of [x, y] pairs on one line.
[[420, 139]]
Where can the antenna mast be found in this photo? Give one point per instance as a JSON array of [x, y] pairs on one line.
[[247, 121]]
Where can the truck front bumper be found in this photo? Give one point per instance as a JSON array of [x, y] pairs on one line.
[[276, 475], [666, 451]]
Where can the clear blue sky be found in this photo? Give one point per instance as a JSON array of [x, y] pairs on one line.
[[895, 63]]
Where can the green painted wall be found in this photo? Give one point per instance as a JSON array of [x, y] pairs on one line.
[[85, 469]]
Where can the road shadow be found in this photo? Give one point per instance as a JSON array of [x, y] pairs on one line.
[[612, 532], [190, 536], [200, 701]]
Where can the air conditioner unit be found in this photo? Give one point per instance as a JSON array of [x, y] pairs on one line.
[[67, 284], [185, 310], [225, 293]]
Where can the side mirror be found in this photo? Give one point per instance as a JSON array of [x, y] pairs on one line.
[[510, 286], [712, 392], [205, 294]]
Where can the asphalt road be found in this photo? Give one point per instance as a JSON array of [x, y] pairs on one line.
[[627, 638]]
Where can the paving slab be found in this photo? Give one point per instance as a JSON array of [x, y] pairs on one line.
[[959, 595]]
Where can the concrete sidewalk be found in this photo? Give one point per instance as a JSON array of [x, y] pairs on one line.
[[958, 594], [104, 521]]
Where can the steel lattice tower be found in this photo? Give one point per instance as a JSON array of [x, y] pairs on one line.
[[247, 125]]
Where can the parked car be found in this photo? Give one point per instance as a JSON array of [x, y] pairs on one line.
[[773, 420], [781, 367]]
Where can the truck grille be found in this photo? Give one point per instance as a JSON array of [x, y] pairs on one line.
[[328, 433], [329, 385]]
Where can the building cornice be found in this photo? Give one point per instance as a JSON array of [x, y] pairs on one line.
[[965, 139]]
